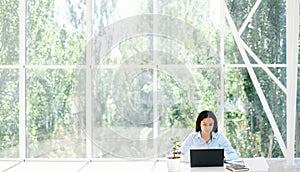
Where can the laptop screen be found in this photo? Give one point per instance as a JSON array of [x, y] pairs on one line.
[[206, 157]]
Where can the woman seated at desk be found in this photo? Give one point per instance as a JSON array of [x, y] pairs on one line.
[[206, 136]]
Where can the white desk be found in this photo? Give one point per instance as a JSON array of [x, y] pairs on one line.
[[185, 167], [142, 166], [255, 165]]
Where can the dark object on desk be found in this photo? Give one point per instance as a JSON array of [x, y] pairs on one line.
[[207, 157], [236, 167]]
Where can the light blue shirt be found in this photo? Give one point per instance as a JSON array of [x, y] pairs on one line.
[[194, 140]]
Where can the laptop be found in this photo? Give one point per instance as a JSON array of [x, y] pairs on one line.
[[207, 157]]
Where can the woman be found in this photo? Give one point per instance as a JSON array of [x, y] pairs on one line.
[[207, 136]]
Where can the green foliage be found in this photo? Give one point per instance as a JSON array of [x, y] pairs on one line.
[[9, 85], [9, 38], [181, 115], [9, 113], [265, 35], [49, 39]]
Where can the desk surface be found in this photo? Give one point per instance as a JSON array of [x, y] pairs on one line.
[[185, 167], [255, 165]]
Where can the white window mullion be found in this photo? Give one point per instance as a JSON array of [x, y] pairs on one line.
[[292, 30], [155, 83], [88, 80], [22, 81], [222, 65]]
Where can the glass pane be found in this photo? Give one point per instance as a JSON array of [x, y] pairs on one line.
[[55, 32], [265, 33], [9, 37], [231, 51], [204, 15], [9, 113], [177, 97], [123, 113], [106, 12], [208, 89], [194, 41], [245, 119], [53, 129], [131, 51], [125, 104], [239, 10], [139, 51]]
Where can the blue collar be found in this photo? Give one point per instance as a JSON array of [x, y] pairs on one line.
[[213, 134]]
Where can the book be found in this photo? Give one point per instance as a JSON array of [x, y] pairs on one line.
[[236, 167]]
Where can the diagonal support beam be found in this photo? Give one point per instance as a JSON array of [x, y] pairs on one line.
[[250, 15], [264, 67], [255, 81]]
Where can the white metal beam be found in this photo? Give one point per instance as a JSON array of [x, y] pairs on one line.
[[254, 8], [292, 36], [88, 85], [155, 83], [222, 65], [22, 81]]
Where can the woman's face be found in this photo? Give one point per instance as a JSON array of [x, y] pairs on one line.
[[207, 125]]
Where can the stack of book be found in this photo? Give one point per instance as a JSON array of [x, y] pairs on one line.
[[236, 166]]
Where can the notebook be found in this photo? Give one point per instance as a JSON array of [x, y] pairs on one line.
[[207, 157], [236, 167]]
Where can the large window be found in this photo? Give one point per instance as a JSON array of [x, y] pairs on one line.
[[119, 79]]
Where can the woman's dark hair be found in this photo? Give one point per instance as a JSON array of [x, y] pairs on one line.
[[206, 114]]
